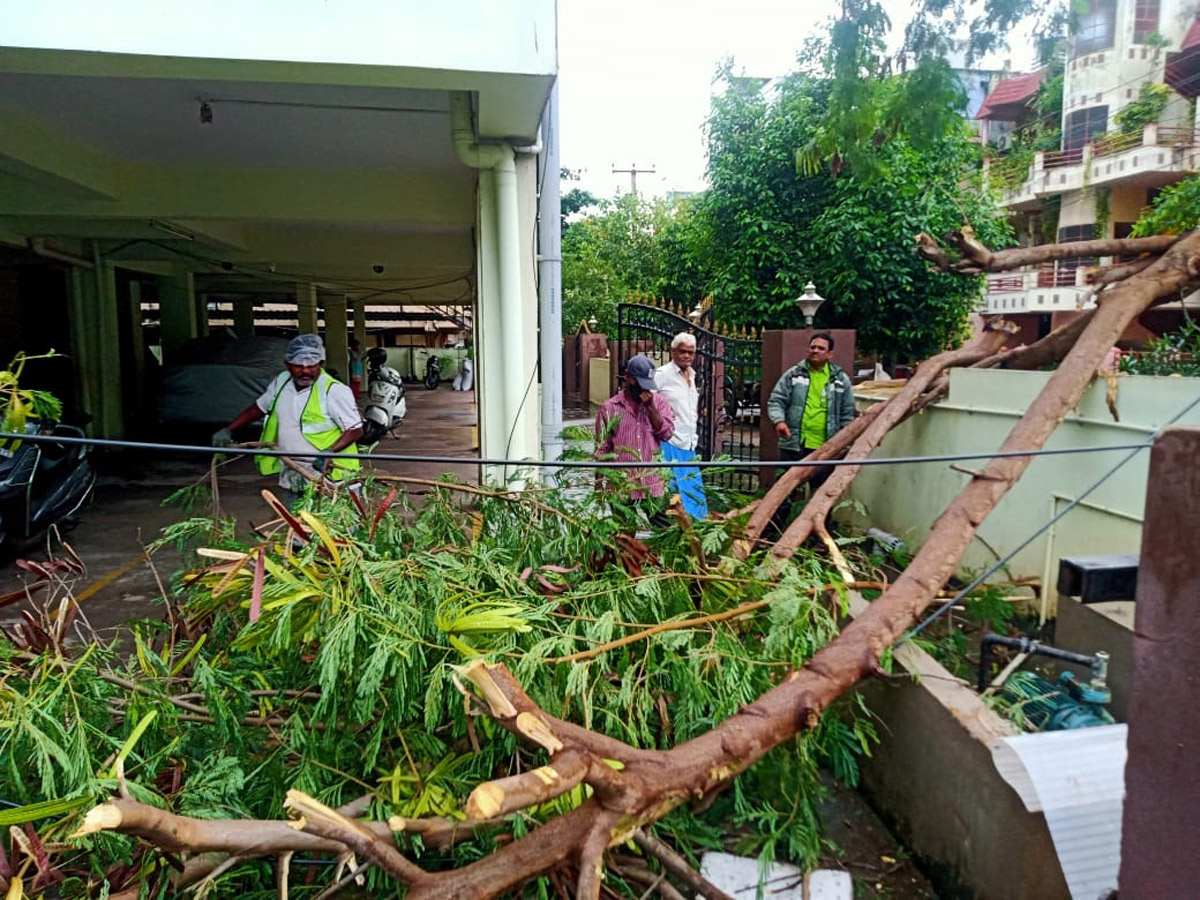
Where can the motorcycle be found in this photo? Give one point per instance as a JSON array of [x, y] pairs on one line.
[[385, 407], [433, 371], [42, 484]]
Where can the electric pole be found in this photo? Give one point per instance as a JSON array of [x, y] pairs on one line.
[[633, 171]]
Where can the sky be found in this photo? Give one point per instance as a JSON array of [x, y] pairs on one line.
[[635, 78]]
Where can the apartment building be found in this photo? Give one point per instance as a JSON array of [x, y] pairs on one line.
[[1128, 127]]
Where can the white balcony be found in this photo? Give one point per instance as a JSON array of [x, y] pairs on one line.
[[1046, 289], [1157, 156]]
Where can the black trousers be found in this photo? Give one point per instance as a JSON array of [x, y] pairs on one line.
[[780, 518]]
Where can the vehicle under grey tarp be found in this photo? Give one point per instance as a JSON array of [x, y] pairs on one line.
[[212, 379]]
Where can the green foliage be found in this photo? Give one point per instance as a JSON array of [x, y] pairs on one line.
[[626, 246], [343, 684], [17, 404], [1177, 353], [1137, 114], [1176, 210], [773, 228]]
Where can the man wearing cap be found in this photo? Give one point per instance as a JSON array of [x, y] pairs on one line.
[[306, 409], [631, 424], [677, 382]]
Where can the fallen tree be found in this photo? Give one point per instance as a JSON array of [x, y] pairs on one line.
[[618, 783]]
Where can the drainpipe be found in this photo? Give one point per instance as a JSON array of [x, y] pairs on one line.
[[38, 247], [500, 160], [550, 287]]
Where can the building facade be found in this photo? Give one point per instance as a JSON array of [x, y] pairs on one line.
[[167, 165], [1127, 128]]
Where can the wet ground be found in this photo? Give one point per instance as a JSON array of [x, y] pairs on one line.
[[127, 512], [119, 584]]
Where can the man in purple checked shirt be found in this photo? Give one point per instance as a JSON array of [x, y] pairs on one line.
[[642, 419]]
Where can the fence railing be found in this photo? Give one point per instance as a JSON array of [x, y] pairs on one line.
[[1112, 144]]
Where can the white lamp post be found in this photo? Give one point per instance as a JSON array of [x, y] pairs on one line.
[[809, 302], [696, 313]]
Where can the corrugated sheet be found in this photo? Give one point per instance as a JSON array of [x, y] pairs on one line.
[[1077, 779]]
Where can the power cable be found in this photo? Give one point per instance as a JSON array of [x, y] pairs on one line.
[[566, 464], [1000, 563]]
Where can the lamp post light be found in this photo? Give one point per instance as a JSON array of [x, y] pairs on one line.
[[809, 302], [696, 313], [592, 323]]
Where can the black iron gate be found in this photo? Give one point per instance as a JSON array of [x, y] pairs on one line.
[[729, 375]]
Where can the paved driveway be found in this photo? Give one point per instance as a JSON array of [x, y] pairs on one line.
[[127, 512]]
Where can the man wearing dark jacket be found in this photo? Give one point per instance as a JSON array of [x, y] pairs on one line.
[[811, 402]]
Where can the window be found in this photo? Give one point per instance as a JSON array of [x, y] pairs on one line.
[[1094, 30], [1082, 126], [1065, 268], [1145, 19]]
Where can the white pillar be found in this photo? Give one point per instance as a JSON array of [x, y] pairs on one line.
[[177, 311], [243, 317], [489, 349], [306, 308], [336, 344]]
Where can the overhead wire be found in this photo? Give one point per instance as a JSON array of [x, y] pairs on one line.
[[1000, 563], [560, 464]]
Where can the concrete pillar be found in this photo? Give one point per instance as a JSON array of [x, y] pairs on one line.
[[95, 333], [243, 317], [85, 341], [306, 308], [489, 350], [137, 345], [1160, 831], [202, 329], [177, 311], [360, 323], [336, 343]]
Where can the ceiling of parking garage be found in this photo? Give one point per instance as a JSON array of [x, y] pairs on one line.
[[342, 176]]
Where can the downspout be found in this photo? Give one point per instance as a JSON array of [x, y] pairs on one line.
[[550, 286], [498, 158]]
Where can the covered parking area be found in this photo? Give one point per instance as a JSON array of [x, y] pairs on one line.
[[155, 180]]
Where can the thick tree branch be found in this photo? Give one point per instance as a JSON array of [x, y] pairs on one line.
[[316, 818], [246, 837], [976, 259]]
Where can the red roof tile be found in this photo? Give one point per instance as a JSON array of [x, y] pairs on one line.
[[1183, 68], [1009, 96]]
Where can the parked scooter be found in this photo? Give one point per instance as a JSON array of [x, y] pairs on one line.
[[433, 371], [385, 407], [42, 484]]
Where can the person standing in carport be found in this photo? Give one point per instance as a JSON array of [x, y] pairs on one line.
[[306, 409]]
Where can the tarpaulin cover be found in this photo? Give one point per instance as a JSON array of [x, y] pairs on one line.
[[213, 379]]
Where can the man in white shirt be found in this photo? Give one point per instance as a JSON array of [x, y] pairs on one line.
[[677, 383], [306, 409]]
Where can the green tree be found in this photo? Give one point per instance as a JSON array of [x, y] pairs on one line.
[[775, 227], [630, 245]]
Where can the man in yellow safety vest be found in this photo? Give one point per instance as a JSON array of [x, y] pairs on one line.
[[307, 409]]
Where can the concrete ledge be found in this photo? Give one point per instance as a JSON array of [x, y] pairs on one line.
[[931, 778]]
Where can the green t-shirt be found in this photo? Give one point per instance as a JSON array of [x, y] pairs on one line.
[[812, 422]]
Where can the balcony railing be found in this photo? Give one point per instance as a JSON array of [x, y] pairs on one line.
[[1103, 146], [1064, 273], [1056, 159]]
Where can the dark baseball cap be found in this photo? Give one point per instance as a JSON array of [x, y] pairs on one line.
[[641, 368]]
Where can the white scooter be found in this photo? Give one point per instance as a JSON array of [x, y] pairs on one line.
[[385, 407]]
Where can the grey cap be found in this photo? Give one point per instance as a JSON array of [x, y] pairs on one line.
[[305, 350], [641, 368]]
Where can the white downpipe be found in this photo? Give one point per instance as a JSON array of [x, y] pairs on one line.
[[500, 159], [550, 288]]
